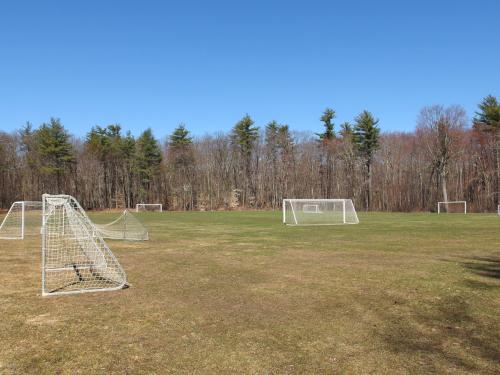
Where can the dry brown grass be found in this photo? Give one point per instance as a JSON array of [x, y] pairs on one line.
[[237, 293]]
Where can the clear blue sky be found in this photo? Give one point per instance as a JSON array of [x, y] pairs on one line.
[[207, 63]]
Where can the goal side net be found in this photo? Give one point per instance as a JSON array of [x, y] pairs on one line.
[[126, 227], [149, 207], [454, 207], [23, 219], [75, 258], [319, 212]]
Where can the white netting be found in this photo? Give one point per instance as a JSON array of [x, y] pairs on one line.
[[152, 207], [75, 258], [319, 212], [456, 207], [23, 219], [126, 227]]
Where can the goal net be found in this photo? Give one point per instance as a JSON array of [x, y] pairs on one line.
[[319, 212], [455, 207], [23, 219], [151, 207], [75, 258], [126, 227]]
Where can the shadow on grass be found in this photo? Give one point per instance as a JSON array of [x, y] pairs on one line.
[[441, 336], [446, 333], [484, 266]]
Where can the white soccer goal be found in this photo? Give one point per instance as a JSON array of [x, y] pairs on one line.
[[319, 212], [126, 227], [151, 207], [454, 207], [23, 219], [75, 258], [498, 209]]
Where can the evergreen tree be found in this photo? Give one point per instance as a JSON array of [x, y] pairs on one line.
[[148, 160], [28, 146], [180, 148], [326, 118], [346, 130], [180, 137], [182, 161], [366, 138], [327, 159], [55, 150], [243, 137], [487, 120], [272, 131], [488, 116]]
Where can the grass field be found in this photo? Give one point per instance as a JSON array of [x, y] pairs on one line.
[[238, 293]]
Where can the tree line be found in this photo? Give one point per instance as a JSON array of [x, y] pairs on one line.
[[447, 157]]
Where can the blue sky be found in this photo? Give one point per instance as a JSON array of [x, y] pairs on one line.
[[159, 63]]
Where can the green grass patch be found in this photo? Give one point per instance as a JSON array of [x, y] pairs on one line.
[[239, 293]]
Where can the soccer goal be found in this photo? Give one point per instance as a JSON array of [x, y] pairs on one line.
[[454, 207], [319, 212], [23, 219], [75, 258], [151, 207], [125, 227]]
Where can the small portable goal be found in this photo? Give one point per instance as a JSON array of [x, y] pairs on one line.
[[23, 219]]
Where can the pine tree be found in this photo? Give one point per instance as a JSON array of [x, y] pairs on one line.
[[487, 120], [488, 116], [326, 118], [56, 153], [148, 160], [243, 137], [346, 130], [182, 161], [180, 137], [327, 160], [366, 138]]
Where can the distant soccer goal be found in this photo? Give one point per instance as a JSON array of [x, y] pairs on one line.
[[454, 207], [319, 212], [498, 209], [23, 219], [75, 258], [125, 227], [151, 207]]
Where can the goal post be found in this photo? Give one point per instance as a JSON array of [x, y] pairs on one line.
[[24, 218], [75, 258], [452, 207], [149, 207], [319, 212]]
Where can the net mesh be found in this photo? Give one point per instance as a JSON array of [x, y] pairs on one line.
[[75, 258], [23, 219], [459, 207], [152, 207], [319, 212], [126, 227]]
